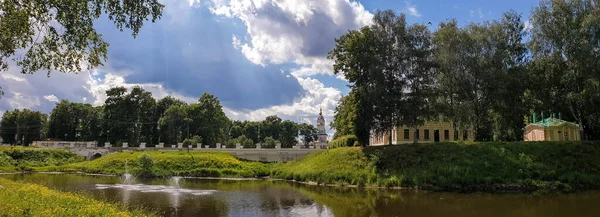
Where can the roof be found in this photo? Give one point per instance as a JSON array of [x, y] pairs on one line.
[[553, 122]]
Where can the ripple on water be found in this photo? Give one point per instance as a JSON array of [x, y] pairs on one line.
[[156, 188]]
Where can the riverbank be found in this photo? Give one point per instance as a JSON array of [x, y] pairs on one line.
[[166, 164], [14, 159], [491, 167], [515, 166], [25, 199]]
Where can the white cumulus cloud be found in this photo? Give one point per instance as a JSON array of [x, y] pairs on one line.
[[412, 9], [51, 98]]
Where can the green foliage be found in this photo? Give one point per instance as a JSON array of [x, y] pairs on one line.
[[345, 116], [308, 133], [344, 141], [24, 125], [173, 122], [170, 163], [336, 166], [248, 143], [475, 166], [71, 121], [146, 165], [16, 199], [269, 143], [25, 159], [192, 141], [69, 39]]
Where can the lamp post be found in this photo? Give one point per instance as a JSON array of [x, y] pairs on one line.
[[158, 128]]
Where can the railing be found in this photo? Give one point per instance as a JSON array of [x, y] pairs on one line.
[[199, 146]]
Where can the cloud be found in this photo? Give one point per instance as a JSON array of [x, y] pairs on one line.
[[412, 9], [480, 13], [51, 98], [300, 32], [477, 12]]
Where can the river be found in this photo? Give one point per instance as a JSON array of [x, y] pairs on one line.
[[211, 198]]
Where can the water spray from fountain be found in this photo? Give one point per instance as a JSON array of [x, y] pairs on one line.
[[174, 181], [127, 179]]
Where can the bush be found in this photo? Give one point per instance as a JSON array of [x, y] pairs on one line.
[[190, 142], [146, 165], [344, 141], [269, 142], [248, 143]]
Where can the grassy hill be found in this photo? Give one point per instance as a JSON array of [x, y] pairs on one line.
[[461, 166]]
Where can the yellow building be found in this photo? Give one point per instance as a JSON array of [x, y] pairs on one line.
[[428, 132], [552, 129]]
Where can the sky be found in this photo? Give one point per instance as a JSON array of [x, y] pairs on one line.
[[259, 57]]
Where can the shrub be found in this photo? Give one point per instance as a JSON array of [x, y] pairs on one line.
[[269, 142], [248, 143], [344, 141], [146, 165], [190, 142]]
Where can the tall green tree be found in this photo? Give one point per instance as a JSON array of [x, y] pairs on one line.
[[308, 133], [75, 121], [288, 133], [212, 123], [22, 126], [345, 116], [60, 35], [173, 123], [356, 57], [565, 65]]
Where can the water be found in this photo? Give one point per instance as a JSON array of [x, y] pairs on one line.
[[211, 198]]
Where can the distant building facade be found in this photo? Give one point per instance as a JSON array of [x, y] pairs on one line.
[[321, 134], [551, 129], [430, 131]]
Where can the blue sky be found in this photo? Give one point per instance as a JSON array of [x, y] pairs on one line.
[[260, 57]]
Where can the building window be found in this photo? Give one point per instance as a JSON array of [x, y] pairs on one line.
[[455, 134], [446, 134], [426, 136], [417, 134], [465, 135], [406, 131]]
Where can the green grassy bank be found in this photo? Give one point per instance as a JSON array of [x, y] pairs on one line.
[[24, 199], [167, 163], [473, 166], [26, 159]]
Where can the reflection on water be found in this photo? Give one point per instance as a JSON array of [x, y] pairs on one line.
[[194, 197]]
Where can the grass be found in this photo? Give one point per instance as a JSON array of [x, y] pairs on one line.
[[24, 199], [462, 166], [335, 166], [27, 158], [168, 163]]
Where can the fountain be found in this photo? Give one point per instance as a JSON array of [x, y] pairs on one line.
[[174, 181], [127, 178]]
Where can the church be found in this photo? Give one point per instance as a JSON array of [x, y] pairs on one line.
[[321, 133]]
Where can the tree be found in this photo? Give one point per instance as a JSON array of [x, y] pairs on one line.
[[308, 133], [289, 132], [271, 126], [116, 115], [356, 57], [60, 35], [141, 109], [75, 121], [8, 127], [252, 131], [345, 116], [172, 123], [566, 61], [22, 126], [161, 106], [210, 120]]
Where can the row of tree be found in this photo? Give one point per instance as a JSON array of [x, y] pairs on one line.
[[136, 117], [488, 77]]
